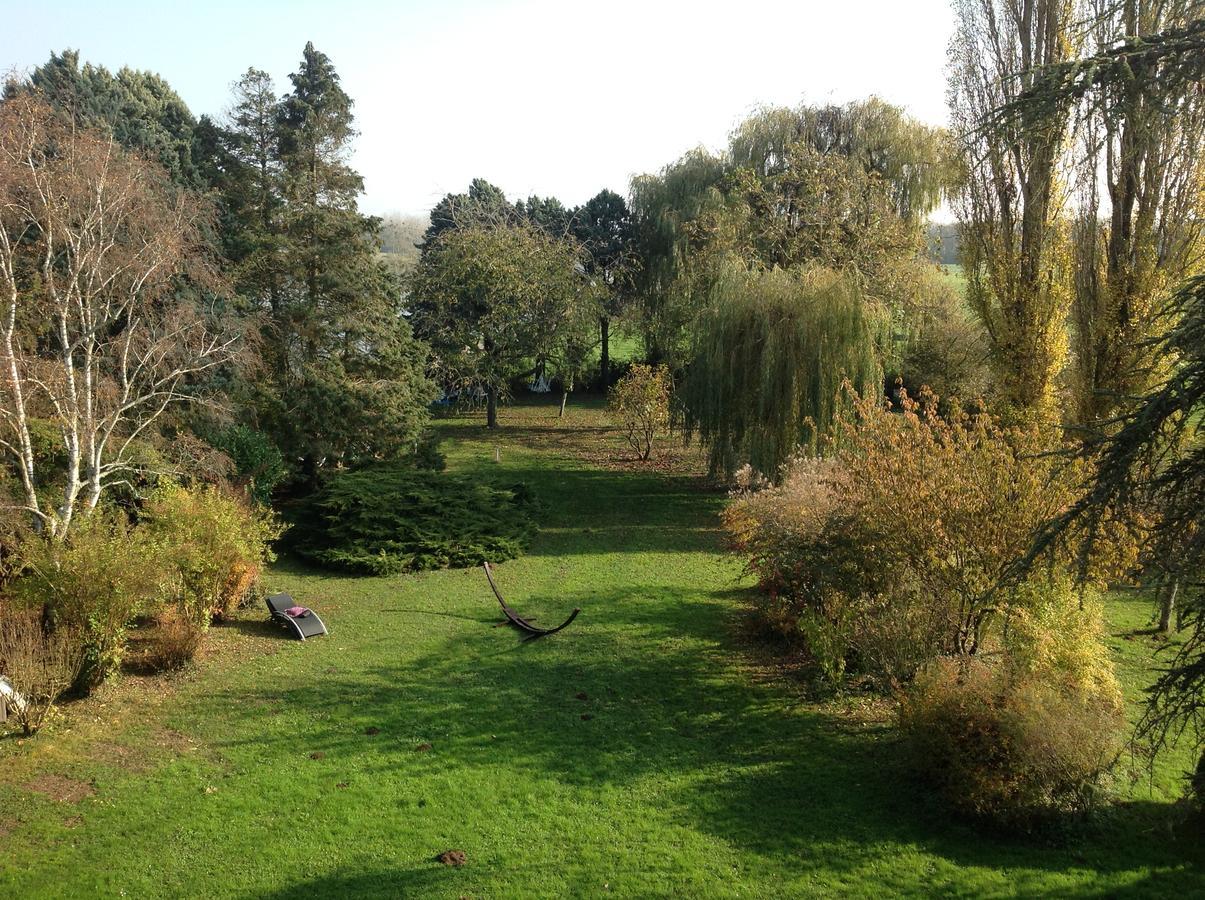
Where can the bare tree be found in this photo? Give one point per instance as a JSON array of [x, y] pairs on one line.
[[101, 260]]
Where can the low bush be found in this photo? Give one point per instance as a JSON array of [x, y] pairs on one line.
[[898, 547], [639, 405], [1025, 734], [174, 641], [41, 663], [393, 518], [96, 582], [213, 548]]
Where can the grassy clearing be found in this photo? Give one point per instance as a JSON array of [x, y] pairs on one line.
[[687, 770], [957, 278]]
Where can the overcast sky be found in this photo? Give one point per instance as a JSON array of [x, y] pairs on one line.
[[545, 97]]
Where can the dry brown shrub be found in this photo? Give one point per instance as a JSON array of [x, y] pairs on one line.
[[175, 642], [899, 547], [39, 663]]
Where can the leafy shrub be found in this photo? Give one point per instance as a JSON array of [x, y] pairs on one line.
[[175, 642], [257, 460], [96, 581], [213, 547], [948, 352], [392, 518], [1030, 733], [40, 663], [639, 404], [902, 541]]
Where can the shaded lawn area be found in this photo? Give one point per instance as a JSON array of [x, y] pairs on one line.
[[687, 770]]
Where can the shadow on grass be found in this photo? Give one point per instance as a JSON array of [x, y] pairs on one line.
[[263, 628], [740, 761]]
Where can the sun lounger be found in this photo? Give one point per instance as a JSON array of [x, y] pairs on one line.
[[301, 627]]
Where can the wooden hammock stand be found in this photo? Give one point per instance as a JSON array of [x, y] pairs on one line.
[[518, 621]]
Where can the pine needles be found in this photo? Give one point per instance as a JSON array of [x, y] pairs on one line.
[[388, 519]]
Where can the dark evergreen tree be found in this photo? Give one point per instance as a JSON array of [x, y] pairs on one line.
[[483, 204], [547, 213], [347, 374], [139, 108], [604, 227]]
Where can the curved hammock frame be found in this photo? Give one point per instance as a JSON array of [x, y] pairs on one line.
[[518, 621]]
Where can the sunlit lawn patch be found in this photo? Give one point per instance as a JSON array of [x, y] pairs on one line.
[[637, 753]]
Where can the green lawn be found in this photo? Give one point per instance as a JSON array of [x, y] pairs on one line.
[[957, 278], [690, 769]]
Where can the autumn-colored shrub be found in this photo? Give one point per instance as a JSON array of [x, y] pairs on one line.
[[96, 581], [174, 642], [899, 545], [639, 405], [213, 547], [38, 661], [1031, 731]]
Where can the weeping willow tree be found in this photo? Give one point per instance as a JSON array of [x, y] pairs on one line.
[[911, 158], [663, 206], [772, 351], [842, 186]]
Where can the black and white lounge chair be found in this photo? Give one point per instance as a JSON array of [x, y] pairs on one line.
[[300, 627]]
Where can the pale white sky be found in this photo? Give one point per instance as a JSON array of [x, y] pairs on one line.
[[560, 98]]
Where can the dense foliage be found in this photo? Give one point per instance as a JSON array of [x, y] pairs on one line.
[[845, 187], [640, 405], [344, 379], [387, 519], [489, 298], [1155, 463], [96, 582], [215, 548], [899, 547], [772, 351], [1030, 733]]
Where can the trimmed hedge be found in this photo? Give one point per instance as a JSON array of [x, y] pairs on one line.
[[392, 518]]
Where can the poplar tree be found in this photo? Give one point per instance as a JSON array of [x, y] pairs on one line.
[[1137, 234], [1011, 203]]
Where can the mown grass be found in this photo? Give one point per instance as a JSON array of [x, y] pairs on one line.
[[690, 769]]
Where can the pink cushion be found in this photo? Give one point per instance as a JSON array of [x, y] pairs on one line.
[[297, 612]]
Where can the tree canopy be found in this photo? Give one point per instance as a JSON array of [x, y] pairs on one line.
[[493, 298]]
